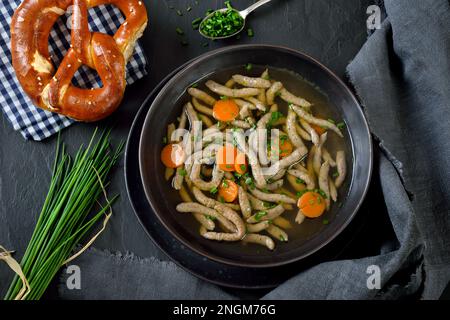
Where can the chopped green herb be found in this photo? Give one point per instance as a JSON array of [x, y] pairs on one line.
[[278, 93], [195, 85], [179, 31], [341, 125], [250, 32], [248, 66], [219, 123], [210, 217], [300, 181], [311, 201], [222, 23], [188, 9], [248, 181], [179, 13], [213, 190], [300, 193], [197, 21], [275, 116], [269, 205], [260, 214], [229, 166], [221, 199], [164, 140], [283, 139], [223, 98], [321, 192], [335, 174], [225, 184], [265, 190], [325, 221], [282, 238], [182, 172], [331, 121], [243, 167]]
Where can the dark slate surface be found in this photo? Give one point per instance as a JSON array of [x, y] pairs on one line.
[[331, 31]]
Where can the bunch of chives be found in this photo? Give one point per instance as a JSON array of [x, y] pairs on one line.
[[75, 188]]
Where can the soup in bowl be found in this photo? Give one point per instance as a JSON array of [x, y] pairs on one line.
[[254, 163]]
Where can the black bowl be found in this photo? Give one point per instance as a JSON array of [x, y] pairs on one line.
[[167, 106]]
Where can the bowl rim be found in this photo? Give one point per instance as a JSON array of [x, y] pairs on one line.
[[300, 55]]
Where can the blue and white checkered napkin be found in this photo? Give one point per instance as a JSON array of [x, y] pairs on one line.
[[32, 122]]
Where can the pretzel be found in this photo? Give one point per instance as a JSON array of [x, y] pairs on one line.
[[52, 89]]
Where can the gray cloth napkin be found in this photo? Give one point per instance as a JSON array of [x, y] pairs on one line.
[[402, 78]]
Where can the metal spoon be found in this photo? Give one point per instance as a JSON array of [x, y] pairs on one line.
[[243, 14]]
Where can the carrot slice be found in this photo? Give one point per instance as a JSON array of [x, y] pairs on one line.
[[228, 190], [320, 130], [225, 110], [240, 163], [172, 155], [225, 157], [286, 148], [311, 204]]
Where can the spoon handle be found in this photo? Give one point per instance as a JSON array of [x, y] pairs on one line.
[[246, 12]]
